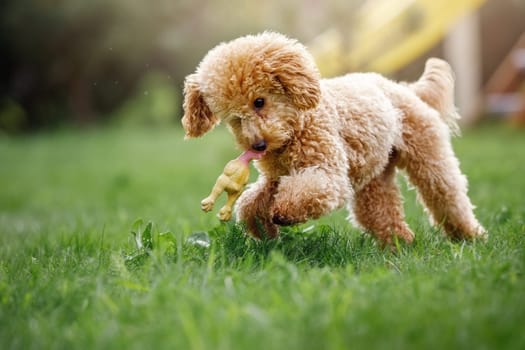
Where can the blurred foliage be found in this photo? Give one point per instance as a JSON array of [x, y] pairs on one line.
[[79, 61], [155, 102]]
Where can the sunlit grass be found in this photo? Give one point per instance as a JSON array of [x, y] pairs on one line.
[[69, 201]]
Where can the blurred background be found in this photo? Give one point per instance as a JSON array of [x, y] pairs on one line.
[[85, 63]]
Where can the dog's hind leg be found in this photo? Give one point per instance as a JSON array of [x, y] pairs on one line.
[[378, 208], [434, 169]]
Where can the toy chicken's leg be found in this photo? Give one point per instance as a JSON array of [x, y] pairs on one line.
[[208, 202], [225, 214], [232, 181]]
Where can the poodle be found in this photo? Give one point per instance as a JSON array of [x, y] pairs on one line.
[[327, 143]]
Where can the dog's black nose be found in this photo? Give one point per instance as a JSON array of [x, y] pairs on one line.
[[259, 146]]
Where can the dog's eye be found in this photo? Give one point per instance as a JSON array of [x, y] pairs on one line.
[[258, 103]]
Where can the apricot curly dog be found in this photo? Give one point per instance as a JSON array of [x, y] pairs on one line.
[[332, 142]]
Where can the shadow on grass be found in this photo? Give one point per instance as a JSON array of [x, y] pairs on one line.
[[227, 246], [317, 246]]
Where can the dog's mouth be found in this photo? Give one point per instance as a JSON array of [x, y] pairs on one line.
[[250, 155]]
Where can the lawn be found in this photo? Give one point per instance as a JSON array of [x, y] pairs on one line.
[[72, 277]]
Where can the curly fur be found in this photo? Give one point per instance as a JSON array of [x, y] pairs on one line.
[[332, 142]]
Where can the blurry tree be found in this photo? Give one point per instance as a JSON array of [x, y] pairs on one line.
[[79, 60]]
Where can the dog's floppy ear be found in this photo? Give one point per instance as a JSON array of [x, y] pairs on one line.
[[197, 119], [295, 69]]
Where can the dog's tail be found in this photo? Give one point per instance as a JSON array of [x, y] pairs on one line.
[[436, 88]]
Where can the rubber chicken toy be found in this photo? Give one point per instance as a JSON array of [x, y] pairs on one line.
[[232, 181]]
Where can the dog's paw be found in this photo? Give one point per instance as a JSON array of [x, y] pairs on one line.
[[287, 215], [282, 220], [259, 228], [285, 220], [478, 233]]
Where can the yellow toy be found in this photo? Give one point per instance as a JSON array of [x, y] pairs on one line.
[[232, 181]]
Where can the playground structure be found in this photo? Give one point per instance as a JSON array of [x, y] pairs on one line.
[[388, 36], [505, 91]]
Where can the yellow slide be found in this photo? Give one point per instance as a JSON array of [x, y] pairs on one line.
[[389, 34]]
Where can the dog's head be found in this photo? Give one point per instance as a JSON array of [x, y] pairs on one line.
[[259, 85]]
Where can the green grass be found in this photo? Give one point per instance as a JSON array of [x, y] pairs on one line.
[[69, 200]]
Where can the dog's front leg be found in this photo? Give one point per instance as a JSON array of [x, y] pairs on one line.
[[253, 208], [309, 193]]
